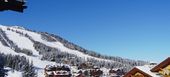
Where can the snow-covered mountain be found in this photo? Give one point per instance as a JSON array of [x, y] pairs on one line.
[[42, 48]]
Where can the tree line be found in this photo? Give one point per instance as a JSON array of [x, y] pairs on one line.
[[18, 63]]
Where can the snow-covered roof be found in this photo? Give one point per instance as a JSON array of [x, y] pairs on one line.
[[58, 73], [146, 69]]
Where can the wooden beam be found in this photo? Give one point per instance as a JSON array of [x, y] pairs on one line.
[[13, 5]]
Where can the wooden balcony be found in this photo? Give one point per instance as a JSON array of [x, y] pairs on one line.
[[14, 5]]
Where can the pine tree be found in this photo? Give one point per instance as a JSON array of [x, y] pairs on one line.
[[29, 71], [2, 70]]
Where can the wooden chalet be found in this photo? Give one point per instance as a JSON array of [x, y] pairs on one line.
[[57, 71], [113, 73], [80, 75], [85, 66], [160, 70], [14, 5], [96, 72]]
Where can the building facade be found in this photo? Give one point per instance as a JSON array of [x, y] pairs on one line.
[[57, 71]]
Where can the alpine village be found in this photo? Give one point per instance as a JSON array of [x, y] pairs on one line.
[[64, 63]]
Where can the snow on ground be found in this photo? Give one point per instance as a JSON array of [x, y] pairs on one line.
[[4, 39], [37, 37], [6, 50], [105, 71], [21, 41], [38, 63], [13, 73], [40, 73]]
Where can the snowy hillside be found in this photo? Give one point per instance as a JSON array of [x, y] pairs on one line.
[[43, 49]]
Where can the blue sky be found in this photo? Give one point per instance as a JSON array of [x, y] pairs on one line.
[[135, 29]]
